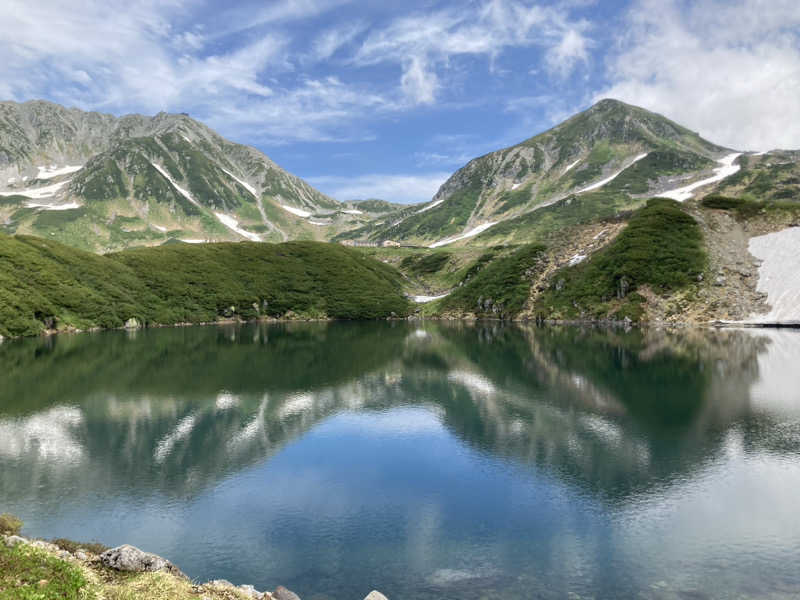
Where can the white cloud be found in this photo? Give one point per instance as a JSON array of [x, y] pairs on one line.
[[395, 188], [728, 69], [423, 45]]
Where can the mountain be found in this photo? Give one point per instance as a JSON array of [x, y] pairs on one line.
[[104, 183], [623, 152]]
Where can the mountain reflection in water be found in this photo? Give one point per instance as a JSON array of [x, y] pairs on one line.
[[602, 443]]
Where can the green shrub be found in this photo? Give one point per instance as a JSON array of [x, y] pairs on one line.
[[9, 524], [661, 247], [499, 287]]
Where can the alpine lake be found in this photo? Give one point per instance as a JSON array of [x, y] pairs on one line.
[[423, 459]]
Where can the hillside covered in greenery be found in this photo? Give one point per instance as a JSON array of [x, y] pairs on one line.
[[662, 248], [46, 285]]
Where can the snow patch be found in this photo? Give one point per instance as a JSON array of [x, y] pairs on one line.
[[600, 184], [12, 180], [430, 206], [515, 186], [244, 184], [726, 169], [471, 233], [352, 211], [182, 191], [296, 211], [67, 206], [424, 299], [159, 228], [577, 259], [194, 241], [779, 274], [570, 166], [38, 193], [233, 225], [53, 171], [472, 381]]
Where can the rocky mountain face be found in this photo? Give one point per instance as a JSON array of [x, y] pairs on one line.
[[613, 148], [104, 183]]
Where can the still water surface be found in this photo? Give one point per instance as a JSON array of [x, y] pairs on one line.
[[427, 461]]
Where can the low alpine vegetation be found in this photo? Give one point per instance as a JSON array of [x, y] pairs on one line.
[[46, 285], [662, 247]]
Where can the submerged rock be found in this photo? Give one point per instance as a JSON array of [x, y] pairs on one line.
[[131, 559]]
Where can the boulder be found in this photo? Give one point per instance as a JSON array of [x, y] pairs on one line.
[[281, 593], [375, 595], [13, 540], [131, 559]]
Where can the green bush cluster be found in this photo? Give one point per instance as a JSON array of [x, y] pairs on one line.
[[9, 524], [499, 287], [662, 247], [44, 284]]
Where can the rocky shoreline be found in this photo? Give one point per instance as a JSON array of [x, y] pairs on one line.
[[129, 560]]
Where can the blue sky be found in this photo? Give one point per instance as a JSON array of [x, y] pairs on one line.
[[386, 99]]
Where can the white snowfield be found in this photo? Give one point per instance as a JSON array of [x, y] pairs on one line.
[[726, 169], [569, 167], [603, 182], [779, 274], [182, 191], [296, 211], [54, 171], [352, 211], [67, 206], [233, 225], [430, 206], [244, 184], [577, 259], [226, 220], [47, 191], [424, 299], [471, 233]]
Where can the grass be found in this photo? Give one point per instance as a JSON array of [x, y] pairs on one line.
[[27, 573], [46, 285], [745, 208], [496, 288], [662, 247]]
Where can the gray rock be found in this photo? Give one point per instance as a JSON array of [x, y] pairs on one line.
[[14, 540], [42, 545], [375, 595], [281, 593], [81, 555], [130, 558], [251, 591]]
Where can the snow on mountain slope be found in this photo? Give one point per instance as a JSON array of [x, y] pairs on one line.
[[726, 169]]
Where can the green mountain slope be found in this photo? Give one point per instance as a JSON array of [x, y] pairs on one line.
[[639, 152], [135, 180], [47, 285]]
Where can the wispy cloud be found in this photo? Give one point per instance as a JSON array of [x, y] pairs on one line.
[[395, 188], [730, 70], [423, 45]]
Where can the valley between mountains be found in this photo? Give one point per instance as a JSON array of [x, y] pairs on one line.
[[617, 214]]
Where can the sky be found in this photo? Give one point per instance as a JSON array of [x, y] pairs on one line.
[[377, 99]]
